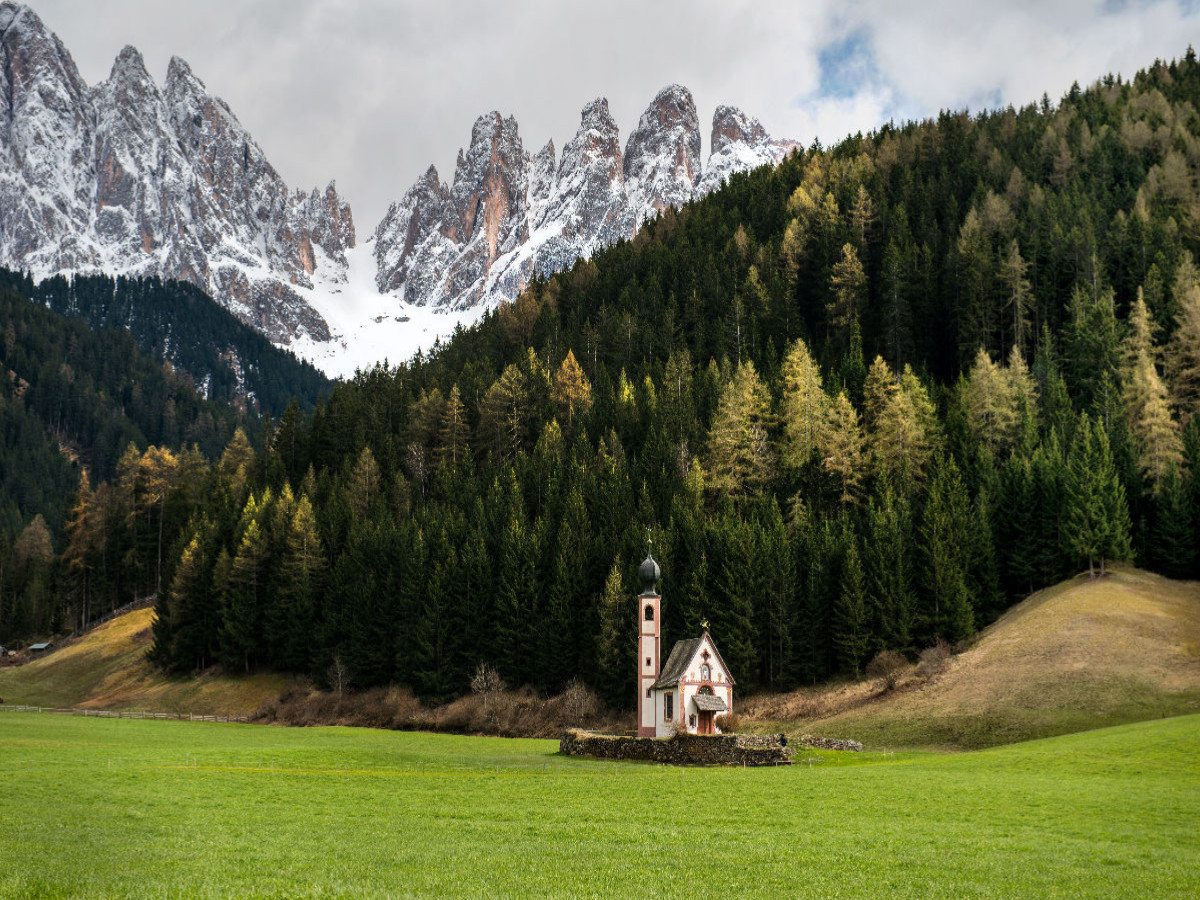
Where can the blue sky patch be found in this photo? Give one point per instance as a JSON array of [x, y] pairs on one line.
[[847, 65]]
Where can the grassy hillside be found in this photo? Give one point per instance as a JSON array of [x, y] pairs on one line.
[[112, 808], [1083, 654], [107, 669]]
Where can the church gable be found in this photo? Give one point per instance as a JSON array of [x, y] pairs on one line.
[[694, 659]]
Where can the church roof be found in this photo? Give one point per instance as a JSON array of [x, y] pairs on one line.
[[677, 662], [709, 703], [681, 657]]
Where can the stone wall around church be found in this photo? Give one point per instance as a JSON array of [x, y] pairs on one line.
[[680, 750]]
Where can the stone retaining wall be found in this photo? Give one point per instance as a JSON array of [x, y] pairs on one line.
[[820, 743], [683, 750]]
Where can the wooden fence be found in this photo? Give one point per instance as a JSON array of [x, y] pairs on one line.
[[120, 713], [119, 611]]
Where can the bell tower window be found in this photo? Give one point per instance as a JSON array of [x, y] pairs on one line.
[[649, 612]]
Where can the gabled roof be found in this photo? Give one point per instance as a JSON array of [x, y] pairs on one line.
[[677, 662], [709, 703], [681, 657]]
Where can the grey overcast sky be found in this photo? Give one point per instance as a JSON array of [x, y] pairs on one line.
[[370, 92]]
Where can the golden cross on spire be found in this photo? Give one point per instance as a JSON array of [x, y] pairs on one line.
[[704, 624]]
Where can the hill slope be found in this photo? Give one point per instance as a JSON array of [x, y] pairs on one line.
[[107, 669], [1082, 654]]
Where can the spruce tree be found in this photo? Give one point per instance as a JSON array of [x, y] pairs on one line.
[[946, 533], [850, 615], [1096, 521]]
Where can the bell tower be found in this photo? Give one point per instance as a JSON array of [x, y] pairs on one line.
[[649, 643]]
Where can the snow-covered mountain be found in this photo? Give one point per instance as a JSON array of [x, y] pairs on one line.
[[431, 250], [136, 178], [128, 177]]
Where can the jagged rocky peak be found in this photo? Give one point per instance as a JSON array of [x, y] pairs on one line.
[[490, 196], [130, 178], [739, 143], [424, 211], [731, 126], [45, 131], [490, 182], [662, 158], [589, 197], [509, 214]]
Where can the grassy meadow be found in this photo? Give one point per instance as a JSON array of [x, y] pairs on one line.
[[107, 669], [130, 808]]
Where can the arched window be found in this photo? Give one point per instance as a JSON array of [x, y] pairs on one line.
[[705, 672], [649, 613]]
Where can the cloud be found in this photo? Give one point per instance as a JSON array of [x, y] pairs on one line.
[[371, 91]]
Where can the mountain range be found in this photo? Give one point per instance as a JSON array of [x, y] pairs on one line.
[[135, 178]]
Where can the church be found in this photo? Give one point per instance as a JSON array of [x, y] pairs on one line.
[[692, 688]]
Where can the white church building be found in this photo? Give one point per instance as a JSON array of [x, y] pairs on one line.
[[692, 688]]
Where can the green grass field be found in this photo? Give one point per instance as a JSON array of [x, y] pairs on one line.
[[126, 808]]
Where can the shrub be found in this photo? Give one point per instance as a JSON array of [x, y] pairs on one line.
[[887, 665], [933, 659], [728, 723], [577, 704]]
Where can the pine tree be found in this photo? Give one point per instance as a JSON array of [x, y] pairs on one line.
[[452, 436], [889, 553], [241, 631], [572, 392], [615, 656], [1174, 535], [364, 489], [1096, 520], [847, 286], [850, 615], [1019, 299], [83, 531], [299, 582], [740, 459], [1183, 357], [946, 530], [843, 447], [990, 404], [804, 407], [1147, 406]]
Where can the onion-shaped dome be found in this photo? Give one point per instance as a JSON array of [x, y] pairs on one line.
[[649, 573]]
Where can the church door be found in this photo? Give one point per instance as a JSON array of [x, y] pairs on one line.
[[705, 725]]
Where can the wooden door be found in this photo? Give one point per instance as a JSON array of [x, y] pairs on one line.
[[706, 722]]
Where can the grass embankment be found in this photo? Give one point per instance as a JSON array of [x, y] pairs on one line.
[[107, 669], [124, 808], [1083, 654]]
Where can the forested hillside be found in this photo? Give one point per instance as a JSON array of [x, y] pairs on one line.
[[864, 401], [176, 321]]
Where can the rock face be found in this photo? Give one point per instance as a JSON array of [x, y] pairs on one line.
[[130, 178], [428, 248], [739, 144], [662, 158]]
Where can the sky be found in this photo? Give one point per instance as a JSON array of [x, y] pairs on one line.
[[370, 92]]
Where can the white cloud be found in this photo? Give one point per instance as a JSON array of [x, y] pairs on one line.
[[372, 91]]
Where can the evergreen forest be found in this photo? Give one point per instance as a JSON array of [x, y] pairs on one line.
[[861, 401]]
